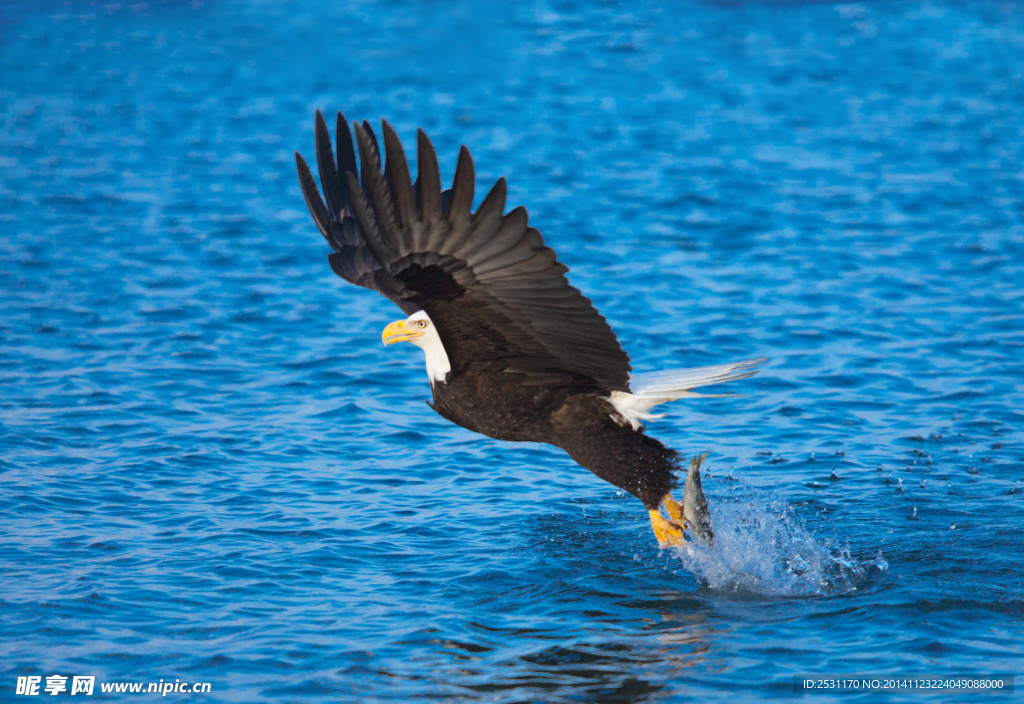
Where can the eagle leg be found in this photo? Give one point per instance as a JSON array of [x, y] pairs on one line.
[[667, 532]]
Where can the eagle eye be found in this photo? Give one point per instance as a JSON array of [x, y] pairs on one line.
[[422, 323]]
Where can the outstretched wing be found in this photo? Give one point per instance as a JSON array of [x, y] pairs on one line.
[[495, 292], [352, 260]]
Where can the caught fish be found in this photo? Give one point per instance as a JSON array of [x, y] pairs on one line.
[[695, 504]]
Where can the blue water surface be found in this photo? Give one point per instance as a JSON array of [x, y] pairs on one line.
[[213, 471]]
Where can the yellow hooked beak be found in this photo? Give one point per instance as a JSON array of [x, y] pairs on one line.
[[399, 332]]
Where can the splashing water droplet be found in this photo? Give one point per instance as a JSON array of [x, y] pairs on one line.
[[879, 562], [764, 550]]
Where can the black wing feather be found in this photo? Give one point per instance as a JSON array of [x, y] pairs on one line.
[[382, 225], [429, 179], [346, 154], [312, 195], [460, 204], [334, 193], [396, 172]]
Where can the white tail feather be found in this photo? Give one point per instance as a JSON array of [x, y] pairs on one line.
[[654, 388]]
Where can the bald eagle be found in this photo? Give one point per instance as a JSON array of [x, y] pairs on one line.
[[512, 350]]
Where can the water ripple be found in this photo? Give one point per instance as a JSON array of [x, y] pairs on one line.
[[213, 471]]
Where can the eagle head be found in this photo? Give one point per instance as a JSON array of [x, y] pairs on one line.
[[419, 329]]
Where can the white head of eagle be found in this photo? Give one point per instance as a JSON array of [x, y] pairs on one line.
[[420, 331]]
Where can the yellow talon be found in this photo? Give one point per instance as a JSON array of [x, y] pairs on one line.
[[667, 532], [674, 508]]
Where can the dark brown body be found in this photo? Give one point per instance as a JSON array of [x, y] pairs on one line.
[[578, 420]]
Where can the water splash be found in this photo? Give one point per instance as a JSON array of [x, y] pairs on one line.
[[764, 550]]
